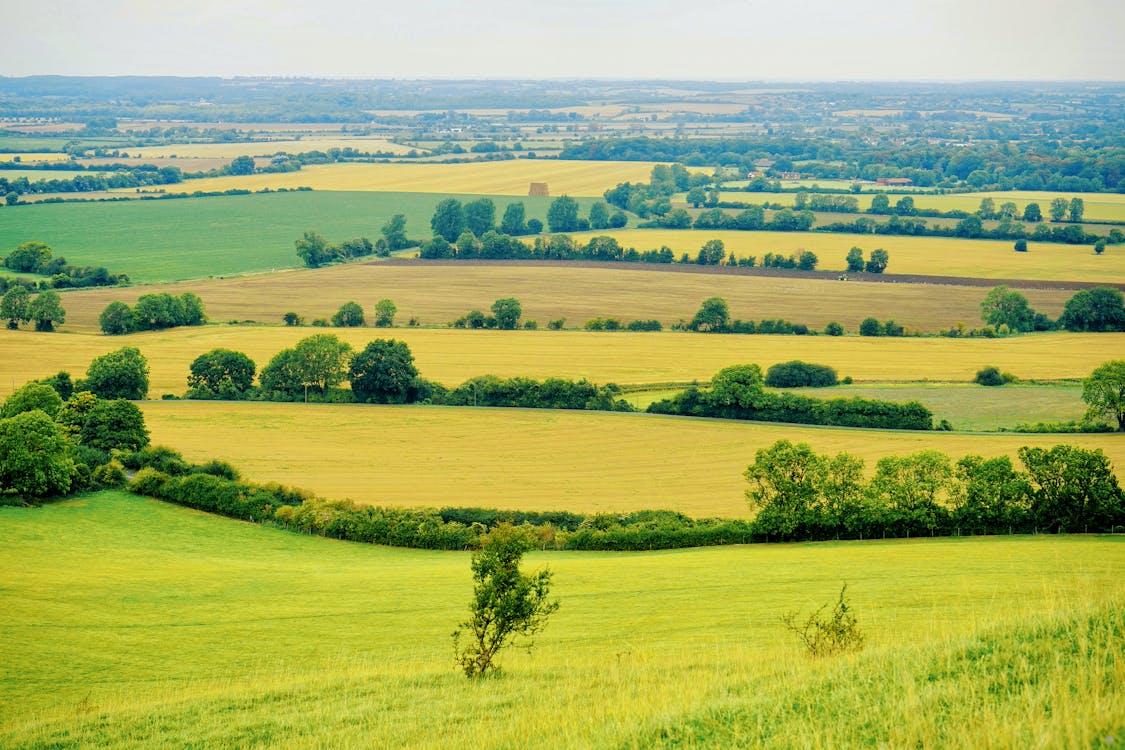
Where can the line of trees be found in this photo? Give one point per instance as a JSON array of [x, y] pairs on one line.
[[152, 312], [1097, 310], [738, 392], [35, 257]]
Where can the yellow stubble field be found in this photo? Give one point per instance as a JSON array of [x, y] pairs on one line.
[[527, 459], [513, 177], [438, 294], [451, 356]]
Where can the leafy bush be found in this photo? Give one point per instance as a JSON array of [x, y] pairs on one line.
[[836, 633], [798, 374]]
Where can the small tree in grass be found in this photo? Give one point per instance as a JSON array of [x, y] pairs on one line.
[[506, 605], [828, 635]]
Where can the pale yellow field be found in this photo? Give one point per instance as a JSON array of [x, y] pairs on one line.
[[528, 459], [29, 157], [1098, 206], [931, 256], [268, 148], [576, 178], [451, 356], [439, 294]]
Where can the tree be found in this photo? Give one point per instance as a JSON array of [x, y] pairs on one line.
[[314, 250], [116, 319], [880, 204], [696, 196], [987, 208], [292, 319], [480, 216], [913, 489], [1099, 309], [784, 489], [507, 604], [514, 220], [507, 312], [834, 329], [1003, 306], [1104, 393], [383, 373], [225, 373], [34, 456], [46, 310], [118, 374], [970, 227], [1073, 489], [12, 198], [32, 396], [711, 254], [191, 310], [114, 425], [1032, 213], [241, 165], [870, 327], [562, 216], [350, 315], [855, 260], [905, 207], [1099, 246], [394, 232], [599, 215], [385, 313], [1075, 210], [877, 263], [1059, 207], [14, 306], [322, 360], [713, 316], [448, 220], [154, 312], [29, 257], [737, 385]]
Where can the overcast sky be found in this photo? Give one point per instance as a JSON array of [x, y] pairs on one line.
[[707, 39]]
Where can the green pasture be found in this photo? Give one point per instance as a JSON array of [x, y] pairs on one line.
[[172, 239], [974, 407], [130, 623], [39, 175]]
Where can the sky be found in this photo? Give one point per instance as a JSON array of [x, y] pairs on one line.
[[707, 39]]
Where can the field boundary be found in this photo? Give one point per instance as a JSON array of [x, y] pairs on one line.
[[884, 278]]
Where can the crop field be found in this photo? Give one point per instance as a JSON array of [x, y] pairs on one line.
[[168, 240], [929, 256], [438, 294], [528, 459], [451, 356], [1098, 206], [32, 157], [513, 177], [268, 148], [141, 624], [35, 175]]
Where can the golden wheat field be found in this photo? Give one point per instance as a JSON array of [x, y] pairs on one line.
[[438, 294], [527, 459], [269, 148], [451, 356], [1098, 206], [928, 256], [34, 157], [513, 177]]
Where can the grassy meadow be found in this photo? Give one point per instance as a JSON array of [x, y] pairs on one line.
[[511, 178], [451, 356], [927, 256], [168, 240], [438, 294], [529, 459], [138, 624]]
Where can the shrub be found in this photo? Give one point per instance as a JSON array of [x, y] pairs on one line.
[[989, 376], [798, 374], [870, 327], [834, 329], [827, 636]]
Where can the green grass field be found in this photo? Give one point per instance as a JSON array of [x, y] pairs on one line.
[[530, 459], [167, 240], [134, 624]]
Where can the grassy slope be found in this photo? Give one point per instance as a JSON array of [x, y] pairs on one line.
[[136, 624], [451, 356], [531, 459], [164, 240], [439, 294]]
